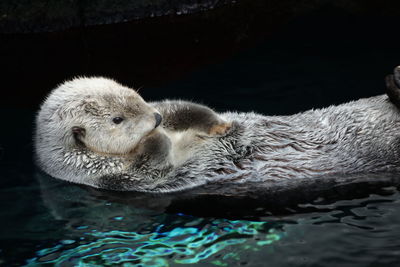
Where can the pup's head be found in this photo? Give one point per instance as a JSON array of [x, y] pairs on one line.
[[97, 113]]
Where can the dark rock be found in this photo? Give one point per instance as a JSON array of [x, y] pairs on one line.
[[53, 15]]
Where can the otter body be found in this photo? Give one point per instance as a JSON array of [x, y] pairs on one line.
[[194, 145]]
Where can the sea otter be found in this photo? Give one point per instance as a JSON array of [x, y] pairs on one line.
[[97, 132]]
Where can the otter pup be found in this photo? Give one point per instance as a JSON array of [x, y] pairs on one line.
[[80, 139]]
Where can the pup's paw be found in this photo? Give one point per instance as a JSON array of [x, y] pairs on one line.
[[220, 129]]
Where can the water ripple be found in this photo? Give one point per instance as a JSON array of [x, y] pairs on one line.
[[180, 245]]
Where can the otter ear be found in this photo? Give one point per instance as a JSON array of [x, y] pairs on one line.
[[78, 132]]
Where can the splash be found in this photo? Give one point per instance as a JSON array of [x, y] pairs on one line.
[[195, 241]]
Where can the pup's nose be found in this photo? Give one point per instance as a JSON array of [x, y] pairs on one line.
[[158, 119]]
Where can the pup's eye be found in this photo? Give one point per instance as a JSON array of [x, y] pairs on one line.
[[117, 120]]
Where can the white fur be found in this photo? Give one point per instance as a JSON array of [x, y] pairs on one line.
[[359, 136]]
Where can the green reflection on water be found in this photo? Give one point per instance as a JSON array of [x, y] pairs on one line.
[[185, 244]]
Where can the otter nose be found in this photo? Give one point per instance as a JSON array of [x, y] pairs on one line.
[[158, 119]]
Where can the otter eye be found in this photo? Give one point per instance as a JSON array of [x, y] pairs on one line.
[[117, 120]]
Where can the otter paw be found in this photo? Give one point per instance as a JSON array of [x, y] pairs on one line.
[[393, 86], [220, 129], [396, 76]]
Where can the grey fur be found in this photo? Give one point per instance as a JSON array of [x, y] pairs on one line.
[[356, 137], [181, 115]]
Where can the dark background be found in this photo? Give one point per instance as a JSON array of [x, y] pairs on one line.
[[275, 57]]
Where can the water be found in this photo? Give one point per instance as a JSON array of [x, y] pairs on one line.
[[45, 222], [51, 223]]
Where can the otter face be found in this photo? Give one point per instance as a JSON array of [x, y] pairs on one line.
[[114, 124], [97, 113]]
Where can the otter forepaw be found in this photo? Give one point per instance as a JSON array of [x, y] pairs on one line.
[[220, 129], [396, 74], [393, 86]]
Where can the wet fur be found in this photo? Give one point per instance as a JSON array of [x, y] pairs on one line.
[[181, 115], [356, 137]]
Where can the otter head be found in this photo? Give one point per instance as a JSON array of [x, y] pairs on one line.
[[113, 123], [98, 114]]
